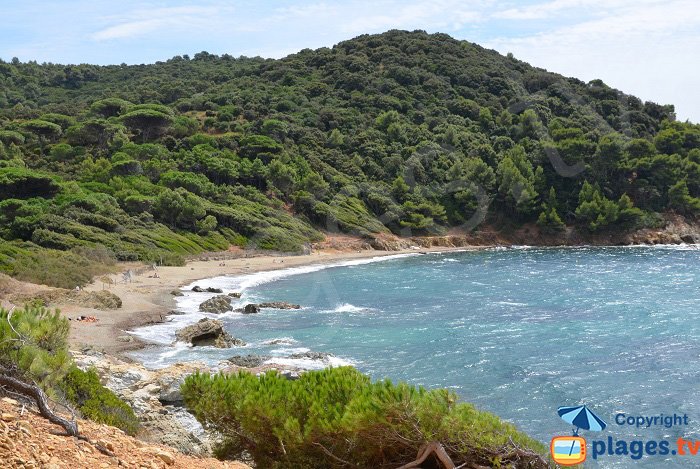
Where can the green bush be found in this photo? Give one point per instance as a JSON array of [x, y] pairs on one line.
[[33, 345], [34, 348], [338, 414], [97, 403]]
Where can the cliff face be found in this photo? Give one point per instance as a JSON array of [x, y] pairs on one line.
[[28, 441], [676, 230]]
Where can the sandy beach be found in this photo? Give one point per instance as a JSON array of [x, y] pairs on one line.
[[148, 299]]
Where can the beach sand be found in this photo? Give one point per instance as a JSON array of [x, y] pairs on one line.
[[147, 300]]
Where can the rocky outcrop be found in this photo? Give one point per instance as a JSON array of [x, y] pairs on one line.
[[323, 356], [218, 305], [234, 295], [278, 305], [199, 289], [248, 361], [154, 395], [253, 308], [250, 309], [207, 332]]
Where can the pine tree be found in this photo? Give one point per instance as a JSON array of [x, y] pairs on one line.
[[549, 219]]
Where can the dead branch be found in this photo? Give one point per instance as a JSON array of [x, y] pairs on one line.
[[42, 402], [333, 456], [431, 448]]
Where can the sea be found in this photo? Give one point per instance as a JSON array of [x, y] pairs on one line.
[[518, 331]]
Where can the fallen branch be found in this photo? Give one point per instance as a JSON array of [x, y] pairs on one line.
[[42, 402], [431, 448]]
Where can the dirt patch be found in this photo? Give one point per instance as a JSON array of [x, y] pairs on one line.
[[27, 440]]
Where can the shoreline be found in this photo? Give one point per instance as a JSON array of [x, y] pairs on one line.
[[148, 300]]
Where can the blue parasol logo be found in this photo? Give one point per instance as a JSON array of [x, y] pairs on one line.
[[581, 417]]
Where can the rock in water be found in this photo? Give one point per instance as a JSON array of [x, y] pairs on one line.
[[248, 361], [279, 305], [219, 304], [199, 289], [251, 309], [207, 332], [312, 355], [234, 295]]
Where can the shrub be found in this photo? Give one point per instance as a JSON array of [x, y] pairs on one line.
[[97, 403], [34, 348], [338, 414], [33, 345]]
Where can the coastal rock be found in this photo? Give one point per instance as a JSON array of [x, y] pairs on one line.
[[251, 309], [248, 361], [176, 293], [234, 295], [323, 356], [207, 332], [199, 289], [219, 304], [278, 305], [146, 391]]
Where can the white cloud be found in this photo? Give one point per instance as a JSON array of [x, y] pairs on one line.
[[557, 7], [140, 21], [438, 14], [646, 49]]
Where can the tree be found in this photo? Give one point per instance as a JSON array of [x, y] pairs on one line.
[[595, 210], [679, 199], [549, 219], [147, 122], [399, 189], [516, 178], [46, 131], [110, 107]]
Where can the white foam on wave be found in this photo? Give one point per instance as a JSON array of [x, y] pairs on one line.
[[348, 308], [242, 283], [308, 363], [289, 350], [279, 341]]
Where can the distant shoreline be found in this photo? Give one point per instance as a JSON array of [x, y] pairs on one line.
[[148, 300]]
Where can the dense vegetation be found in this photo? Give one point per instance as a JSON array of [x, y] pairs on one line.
[[401, 132], [34, 349], [338, 418]]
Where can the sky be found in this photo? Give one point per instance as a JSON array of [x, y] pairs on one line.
[[649, 48]]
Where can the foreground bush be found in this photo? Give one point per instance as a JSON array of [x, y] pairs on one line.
[[97, 403], [337, 418], [33, 346], [34, 349]]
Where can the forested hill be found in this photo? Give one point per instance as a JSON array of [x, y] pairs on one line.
[[402, 132]]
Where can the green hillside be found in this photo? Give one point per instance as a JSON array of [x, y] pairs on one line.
[[401, 132]]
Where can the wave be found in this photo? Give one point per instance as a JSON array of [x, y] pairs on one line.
[[279, 341], [309, 363], [348, 308]]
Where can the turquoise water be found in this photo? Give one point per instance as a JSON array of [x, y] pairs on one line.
[[518, 332]]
